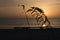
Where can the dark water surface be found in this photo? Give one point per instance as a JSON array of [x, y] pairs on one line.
[[9, 23]]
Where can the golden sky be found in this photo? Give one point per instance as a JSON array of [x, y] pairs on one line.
[[10, 9]]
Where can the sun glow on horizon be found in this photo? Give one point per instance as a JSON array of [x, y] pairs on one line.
[[10, 9]]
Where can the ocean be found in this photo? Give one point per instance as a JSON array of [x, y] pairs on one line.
[[10, 23]]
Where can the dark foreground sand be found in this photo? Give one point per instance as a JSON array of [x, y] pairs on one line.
[[30, 34]]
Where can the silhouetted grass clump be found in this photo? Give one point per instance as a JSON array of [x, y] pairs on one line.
[[41, 18]]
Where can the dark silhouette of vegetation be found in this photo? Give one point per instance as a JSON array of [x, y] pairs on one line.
[[41, 17], [24, 12], [38, 9], [44, 19], [34, 10]]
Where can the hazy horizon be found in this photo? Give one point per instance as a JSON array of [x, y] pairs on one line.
[[11, 23]]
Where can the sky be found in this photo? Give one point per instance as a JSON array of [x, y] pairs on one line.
[[10, 9]]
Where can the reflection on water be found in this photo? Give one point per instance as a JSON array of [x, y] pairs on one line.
[[10, 23]]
